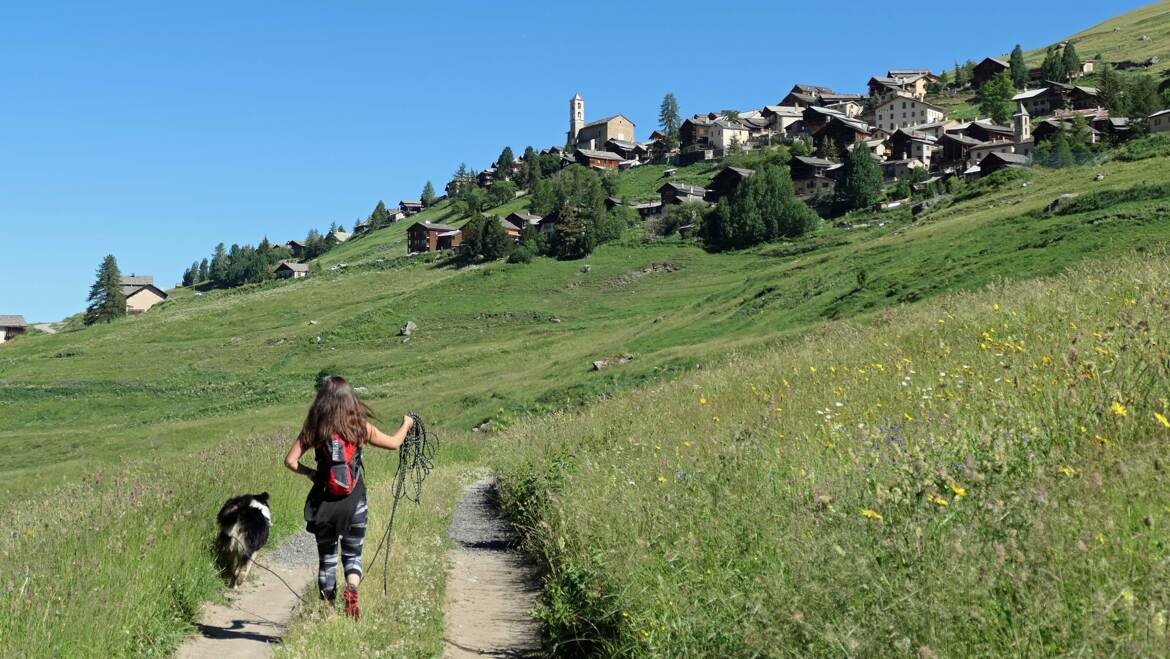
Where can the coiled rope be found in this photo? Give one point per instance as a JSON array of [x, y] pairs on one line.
[[416, 458]]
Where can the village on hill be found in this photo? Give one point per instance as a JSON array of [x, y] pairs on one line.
[[922, 132]]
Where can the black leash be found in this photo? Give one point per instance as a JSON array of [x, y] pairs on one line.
[[273, 573], [416, 458]]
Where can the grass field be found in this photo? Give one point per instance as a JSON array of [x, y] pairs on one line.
[[1134, 36], [139, 416], [982, 475]]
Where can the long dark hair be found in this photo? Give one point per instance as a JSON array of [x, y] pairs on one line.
[[335, 411]]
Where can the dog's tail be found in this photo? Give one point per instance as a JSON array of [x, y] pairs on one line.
[[233, 541]]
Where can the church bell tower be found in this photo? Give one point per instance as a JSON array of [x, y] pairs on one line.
[[576, 117]]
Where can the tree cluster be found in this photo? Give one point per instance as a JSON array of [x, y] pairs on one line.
[[762, 208]]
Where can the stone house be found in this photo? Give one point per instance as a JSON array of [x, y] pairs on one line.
[[141, 293], [595, 134], [725, 131], [811, 176], [904, 111]]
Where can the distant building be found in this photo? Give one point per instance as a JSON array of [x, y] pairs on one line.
[[141, 293], [522, 219], [336, 237], [597, 159], [695, 133], [988, 69], [288, 270], [428, 237], [900, 111], [725, 132], [297, 247], [997, 161], [11, 326], [410, 207], [726, 181], [595, 134], [511, 229], [813, 175], [1159, 122], [676, 193]]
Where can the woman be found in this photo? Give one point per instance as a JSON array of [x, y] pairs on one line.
[[337, 429]]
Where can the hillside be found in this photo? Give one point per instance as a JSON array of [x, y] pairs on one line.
[[1135, 36]]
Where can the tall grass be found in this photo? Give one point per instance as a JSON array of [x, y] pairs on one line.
[[981, 475], [118, 563]]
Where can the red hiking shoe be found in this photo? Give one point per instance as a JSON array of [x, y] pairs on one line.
[[351, 603]]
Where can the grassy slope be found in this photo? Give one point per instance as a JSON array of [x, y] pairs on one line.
[[198, 378], [979, 476], [1121, 38]]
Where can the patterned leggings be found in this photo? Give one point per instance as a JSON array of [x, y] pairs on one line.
[[351, 554]]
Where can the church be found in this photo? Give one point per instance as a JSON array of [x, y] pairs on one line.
[[595, 134]]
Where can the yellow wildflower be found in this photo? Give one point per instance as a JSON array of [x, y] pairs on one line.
[[715, 419], [935, 499], [812, 369], [662, 479], [959, 491], [996, 306], [1119, 409], [1162, 420], [871, 514], [702, 400], [687, 444], [1067, 471]]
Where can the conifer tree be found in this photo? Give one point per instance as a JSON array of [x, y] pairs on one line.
[[191, 275], [1141, 92], [106, 301], [861, 182], [1070, 61], [218, 271], [428, 195], [1052, 69], [1019, 68], [504, 163], [668, 119], [204, 270], [1111, 87]]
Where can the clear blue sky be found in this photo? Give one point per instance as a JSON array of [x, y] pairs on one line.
[[153, 131]]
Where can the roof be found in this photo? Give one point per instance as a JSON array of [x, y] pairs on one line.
[[507, 225], [905, 73], [814, 162], [138, 280], [432, 226], [622, 144], [599, 155], [729, 124], [962, 139], [12, 321], [528, 218], [1009, 158], [691, 190], [996, 61], [149, 287], [910, 99], [1160, 113], [784, 110], [295, 267], [410, 202], [339, 236], [607, 120], [1031, 93], [742, 171]]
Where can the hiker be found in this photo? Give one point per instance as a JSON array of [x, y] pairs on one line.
[[336, 429]]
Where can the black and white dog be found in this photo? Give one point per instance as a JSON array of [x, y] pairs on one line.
[[243, 529]]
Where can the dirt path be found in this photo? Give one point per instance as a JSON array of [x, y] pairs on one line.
[[491, 588], [258, 613]]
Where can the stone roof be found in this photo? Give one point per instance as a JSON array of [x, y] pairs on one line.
[[432, 226], [295, 267], [607, 120], [599, 155], [12, 321]]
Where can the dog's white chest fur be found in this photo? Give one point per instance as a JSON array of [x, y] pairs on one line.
[[263, 510]]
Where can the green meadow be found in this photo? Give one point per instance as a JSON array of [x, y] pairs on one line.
[[135, 432]]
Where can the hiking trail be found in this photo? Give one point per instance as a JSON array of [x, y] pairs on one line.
[[257, 614], [492, 587]]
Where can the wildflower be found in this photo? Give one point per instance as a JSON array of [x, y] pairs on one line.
[[662, 479], [687, 444], [959, 491], [935, 499], [907, 415], [1067, 471], [625, 614], [996, 306], [871, 514], [28, 533], [1162, 420], [1119, 409], [812, 369], [702, 400], [715, 419], [1101, 538]]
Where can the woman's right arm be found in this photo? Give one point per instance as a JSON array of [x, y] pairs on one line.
[[293, 460]]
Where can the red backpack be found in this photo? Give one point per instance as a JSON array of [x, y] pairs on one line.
[[340, 460]]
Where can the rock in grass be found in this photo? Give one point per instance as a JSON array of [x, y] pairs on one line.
[[408, 328]]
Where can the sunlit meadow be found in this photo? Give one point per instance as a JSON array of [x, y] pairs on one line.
[[982, 475]]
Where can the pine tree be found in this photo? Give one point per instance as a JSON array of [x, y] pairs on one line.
[[1071, 62], [668, 118], [1111, 88], [995, 98], [428, 195], [1052, 69], [1019, 68], [218, 272], [191, 275], [861, 182], [379, 217], [106, 301], [204, 270], [1141, 92], [504, 163]]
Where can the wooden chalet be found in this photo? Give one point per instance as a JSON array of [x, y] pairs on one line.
[[726, 181], [812, 175], [522, 219], [11, 326], [597, 159], [988, 69], [694, 133], [410, 207], [997, 161], [676, 193], [431, 237], [287, 270]]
